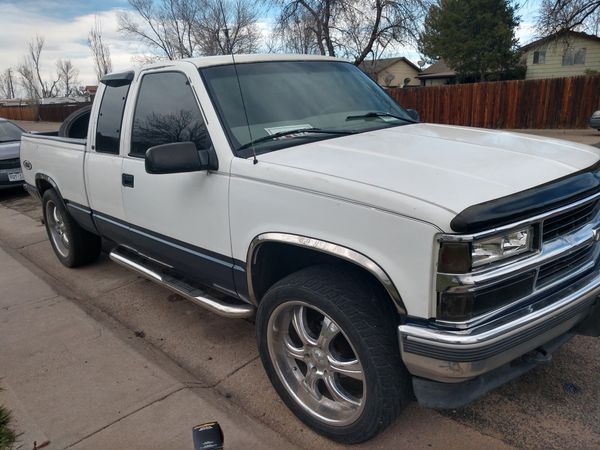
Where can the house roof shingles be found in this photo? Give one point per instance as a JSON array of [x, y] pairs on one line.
[[438, 69]]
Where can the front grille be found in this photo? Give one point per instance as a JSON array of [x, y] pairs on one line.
[[13, 163], [555, 270], [569, 221]]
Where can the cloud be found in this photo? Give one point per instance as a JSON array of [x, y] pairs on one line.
[[65, 37]]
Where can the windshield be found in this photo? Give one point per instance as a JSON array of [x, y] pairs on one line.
[[285, 100], [9, 132]]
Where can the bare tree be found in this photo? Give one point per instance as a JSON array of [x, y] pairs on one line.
[[100, 51], [166, 27], [187, 28], [7, 84], [295, 35], [28, 81], [67, 74], [354, 29], [228, 26], [574, 15], [32, 81]]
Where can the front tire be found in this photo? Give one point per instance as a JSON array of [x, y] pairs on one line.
[[73, 245], [328, 342]]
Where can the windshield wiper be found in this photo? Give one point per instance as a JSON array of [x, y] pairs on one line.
[[378, 114], [296, 131]]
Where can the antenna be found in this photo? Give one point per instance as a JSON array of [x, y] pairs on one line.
[[237, 76]]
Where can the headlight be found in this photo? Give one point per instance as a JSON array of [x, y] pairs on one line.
[[501, 247], [462, 257]]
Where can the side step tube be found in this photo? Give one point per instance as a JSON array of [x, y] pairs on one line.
[[153, 271]]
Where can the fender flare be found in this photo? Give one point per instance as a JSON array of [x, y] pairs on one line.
[[339, 251], [43, 177]]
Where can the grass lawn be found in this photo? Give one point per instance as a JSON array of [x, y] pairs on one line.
[[7, 436]]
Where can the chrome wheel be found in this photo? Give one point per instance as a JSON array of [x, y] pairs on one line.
[[56, 227], [316, 363]]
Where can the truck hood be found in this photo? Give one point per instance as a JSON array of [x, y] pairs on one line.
[[433, 171], [9, 150]]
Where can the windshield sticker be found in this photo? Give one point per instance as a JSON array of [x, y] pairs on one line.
[[283, 129]]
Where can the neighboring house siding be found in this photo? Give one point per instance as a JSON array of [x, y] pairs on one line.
[[553, 65], [399, 71]]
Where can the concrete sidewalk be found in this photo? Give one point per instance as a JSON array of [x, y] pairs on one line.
[[80, 384]]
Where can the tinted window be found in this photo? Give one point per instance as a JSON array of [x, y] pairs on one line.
[[108, 130], [166, 111]]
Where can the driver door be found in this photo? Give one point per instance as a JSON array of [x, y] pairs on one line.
[[180, 219]]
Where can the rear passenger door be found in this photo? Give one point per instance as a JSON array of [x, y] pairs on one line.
[[103, 161], [180, 219]]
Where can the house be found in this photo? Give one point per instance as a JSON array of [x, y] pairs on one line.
[[437, 74], [91, 90], [392, 72], [565, 54]]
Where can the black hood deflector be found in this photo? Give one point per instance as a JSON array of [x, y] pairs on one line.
[[528, 203]]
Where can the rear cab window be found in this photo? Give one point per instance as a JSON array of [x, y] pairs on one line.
[[110, 119]]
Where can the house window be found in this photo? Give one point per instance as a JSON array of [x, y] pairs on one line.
[[573, 56], [539, 57], [580, 56]]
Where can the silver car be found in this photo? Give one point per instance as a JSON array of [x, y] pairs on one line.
[[10, 143]]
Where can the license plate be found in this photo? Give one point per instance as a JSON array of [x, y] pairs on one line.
[[15, 176]]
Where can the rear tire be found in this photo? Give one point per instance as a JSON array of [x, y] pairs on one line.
[[342, 373], [73, 245]]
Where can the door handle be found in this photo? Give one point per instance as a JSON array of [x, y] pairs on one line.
[[127, 180]]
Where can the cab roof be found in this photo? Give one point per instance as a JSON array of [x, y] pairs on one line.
[[208, 61]]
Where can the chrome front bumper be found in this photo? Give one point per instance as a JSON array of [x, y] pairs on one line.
[[453, 356]]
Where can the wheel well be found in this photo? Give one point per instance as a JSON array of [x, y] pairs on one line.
[[273, 261], [43, 185]]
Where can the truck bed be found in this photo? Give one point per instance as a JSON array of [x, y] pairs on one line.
[[62, 161]]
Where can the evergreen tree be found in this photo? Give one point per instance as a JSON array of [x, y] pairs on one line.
[[476, 38]]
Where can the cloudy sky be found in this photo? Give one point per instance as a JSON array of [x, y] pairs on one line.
[[65, 25]]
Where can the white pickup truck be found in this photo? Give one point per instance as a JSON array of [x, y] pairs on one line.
[[380, 256]]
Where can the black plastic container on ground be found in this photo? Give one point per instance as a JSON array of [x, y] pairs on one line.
[[208, 436]]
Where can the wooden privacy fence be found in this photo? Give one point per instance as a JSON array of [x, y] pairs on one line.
[[547, 103], [48, 113]]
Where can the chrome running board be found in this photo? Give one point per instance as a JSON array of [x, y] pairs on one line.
[[155, 271]]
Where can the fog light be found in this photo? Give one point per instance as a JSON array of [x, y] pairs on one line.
[[463, 306]]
